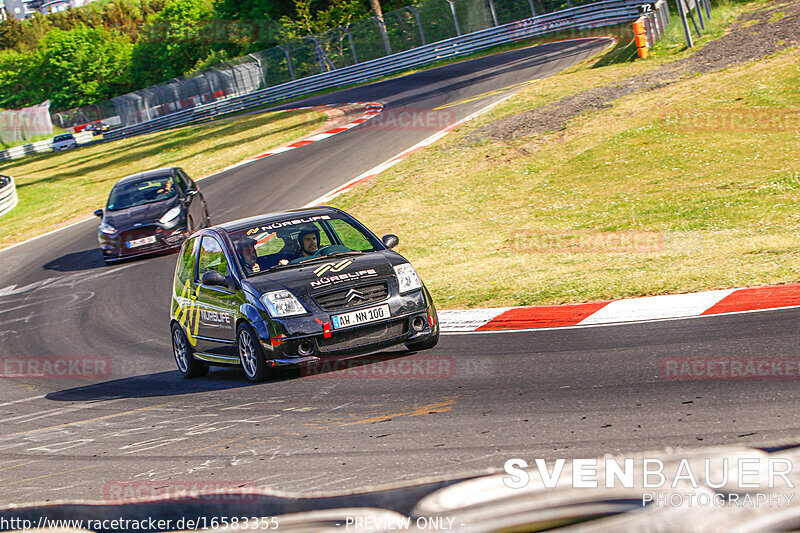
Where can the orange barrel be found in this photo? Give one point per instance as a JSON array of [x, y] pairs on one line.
[[640, 36]]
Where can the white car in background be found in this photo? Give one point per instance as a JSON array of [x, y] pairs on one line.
[[65, 141]]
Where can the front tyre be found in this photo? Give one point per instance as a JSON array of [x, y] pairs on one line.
[[188, 366], [251, 354]]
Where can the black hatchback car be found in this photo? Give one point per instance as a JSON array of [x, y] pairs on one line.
[[150, 212], [287, 289]]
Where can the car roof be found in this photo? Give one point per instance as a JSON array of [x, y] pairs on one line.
[[148, 174], [279, 215]]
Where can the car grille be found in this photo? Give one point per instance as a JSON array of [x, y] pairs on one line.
[[363, 336], [334, 301]]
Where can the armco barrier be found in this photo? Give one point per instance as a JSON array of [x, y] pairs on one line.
[[40, 147], [594, 15], [8, 194]]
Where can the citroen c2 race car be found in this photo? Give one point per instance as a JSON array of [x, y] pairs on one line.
[[287, 289], [150, 212]]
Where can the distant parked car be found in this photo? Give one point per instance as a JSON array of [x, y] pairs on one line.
[[65, 141], [150, 212]]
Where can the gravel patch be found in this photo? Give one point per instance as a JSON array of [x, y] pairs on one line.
[[751, 37]]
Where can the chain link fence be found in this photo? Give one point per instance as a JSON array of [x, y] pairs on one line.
[[404, 29], [26, 123]]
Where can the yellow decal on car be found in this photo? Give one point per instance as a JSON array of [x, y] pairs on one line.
[[188, 312], [333, 267]]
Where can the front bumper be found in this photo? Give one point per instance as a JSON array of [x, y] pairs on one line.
[[284, 350], [115, 248]]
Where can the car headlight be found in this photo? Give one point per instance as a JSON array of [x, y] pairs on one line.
[[407, 278], [282, 303], [108, 229], [170, 218]]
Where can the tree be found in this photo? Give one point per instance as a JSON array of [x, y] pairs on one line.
[[82, 66], [173, 41], [310, 19], [16, 80], [252, 10], [11, 33]]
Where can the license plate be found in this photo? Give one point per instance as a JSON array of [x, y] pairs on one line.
[[360, 317], [141, 242]]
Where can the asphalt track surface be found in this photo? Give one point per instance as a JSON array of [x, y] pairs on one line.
[[466, 406]]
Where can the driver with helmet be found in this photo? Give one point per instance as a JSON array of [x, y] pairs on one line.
[[307, 243]]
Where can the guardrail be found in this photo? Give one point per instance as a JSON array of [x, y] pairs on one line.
[[40, 147], [8, 194], [594, 15]]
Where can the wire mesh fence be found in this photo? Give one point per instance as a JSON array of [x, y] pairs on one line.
[[404, 29]]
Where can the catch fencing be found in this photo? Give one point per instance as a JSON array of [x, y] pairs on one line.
[[577, 19], [408, 37]]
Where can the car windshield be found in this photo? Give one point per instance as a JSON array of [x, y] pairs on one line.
[[63, 137], [283, 244], [144, 191]]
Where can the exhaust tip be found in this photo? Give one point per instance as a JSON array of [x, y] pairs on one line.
[[305, 348]]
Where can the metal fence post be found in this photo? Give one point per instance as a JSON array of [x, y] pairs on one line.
[[260, 70], [352, 44], [698, 5], [533, 9], [455, 17], [288, 62], [382, 30], [492, 11], [419, 24], [686, 32]]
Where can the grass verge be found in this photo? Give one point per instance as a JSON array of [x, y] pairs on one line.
[[55, 189], [687, 187]]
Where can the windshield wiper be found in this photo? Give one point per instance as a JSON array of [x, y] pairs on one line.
[[273, 268], [351, 252]]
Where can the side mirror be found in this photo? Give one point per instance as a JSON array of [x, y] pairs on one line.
[[390, 240], [98, 213], [215, 279]]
